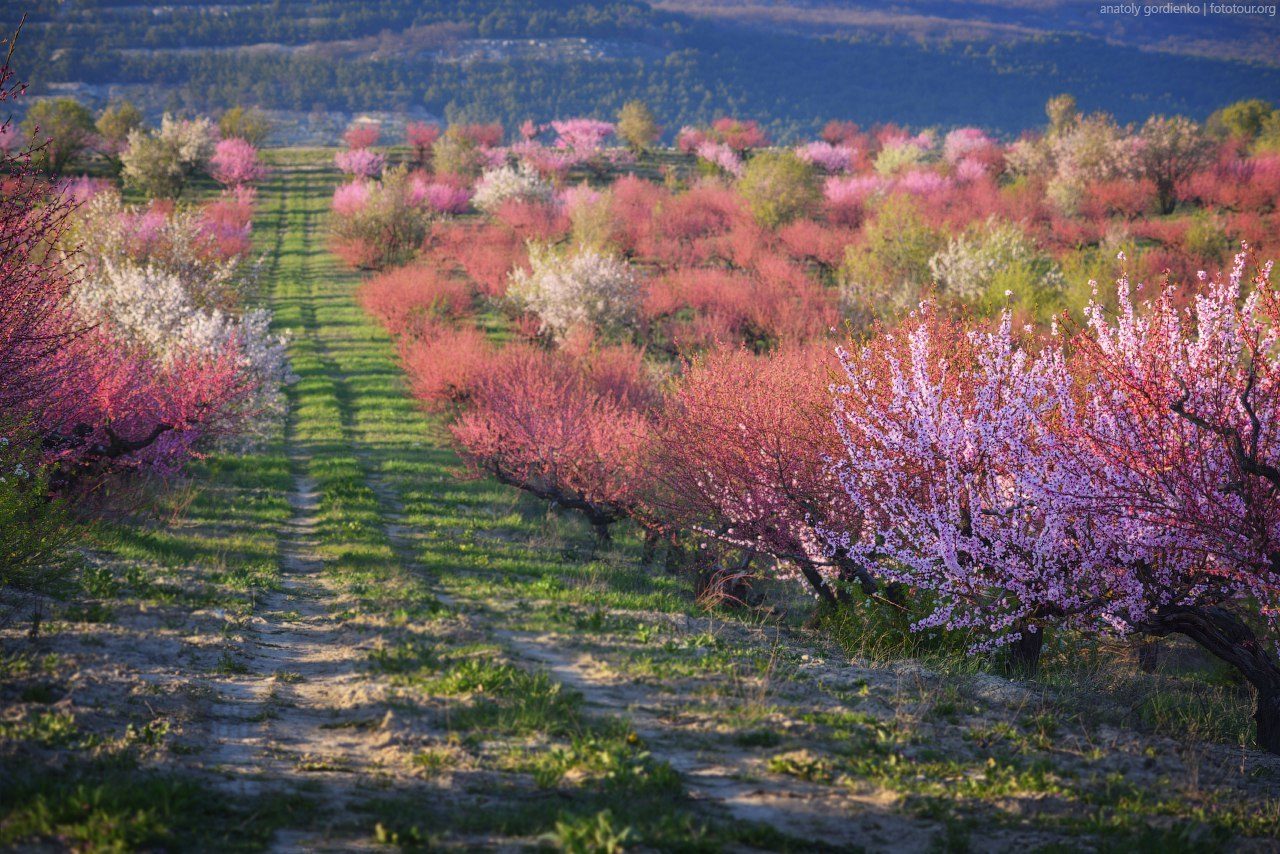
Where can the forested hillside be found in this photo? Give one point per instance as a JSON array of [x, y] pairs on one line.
[[499, 59]]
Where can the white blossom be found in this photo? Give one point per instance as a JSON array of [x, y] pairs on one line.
[[579, 288]]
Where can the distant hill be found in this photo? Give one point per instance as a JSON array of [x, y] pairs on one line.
[[791, 64]]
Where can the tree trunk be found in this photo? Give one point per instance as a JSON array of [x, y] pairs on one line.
[[1024, 653], [1165, 190], [1148, 654], [674, 561], [1267, 714], [816, 581], [1230, 639], [650, 548]]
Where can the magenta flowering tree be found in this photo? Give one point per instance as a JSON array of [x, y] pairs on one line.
[[235, 163], [360, 162]]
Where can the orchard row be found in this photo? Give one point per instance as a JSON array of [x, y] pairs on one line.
[[902, 397]]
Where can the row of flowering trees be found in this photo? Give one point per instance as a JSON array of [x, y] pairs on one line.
[[1121, 478], [127, 343], [676, 367]]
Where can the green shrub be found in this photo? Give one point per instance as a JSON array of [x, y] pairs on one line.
[[778, 187], [887, 272]]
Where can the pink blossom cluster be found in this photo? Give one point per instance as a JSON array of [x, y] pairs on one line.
[[440, 196], [582, 135], [235, 163], [360, 162], [350, 198], [828, 157], [721, 155], [82, 188]]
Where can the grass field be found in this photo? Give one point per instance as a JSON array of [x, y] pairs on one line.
[[335, 641]]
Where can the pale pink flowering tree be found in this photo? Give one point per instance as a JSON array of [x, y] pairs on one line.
[[350, 198], [360, 162], [828, 157], [965, 142], [582, 135], [235, 163], [721, 156]]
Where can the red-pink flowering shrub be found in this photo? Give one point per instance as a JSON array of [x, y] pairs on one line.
[[689, 224], [34, 319], [1128, 198], [741, 456], [533, 220], [535, 422], [1240, 184], [775, 302], [227, 221], [362, 135], [421, 137], [116, 409], [812, 241], [632, 204], [481, 135], [739, 135], [487, 253], [443, 364], [408, 299]]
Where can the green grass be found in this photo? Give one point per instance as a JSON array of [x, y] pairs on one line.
[[111, 804]]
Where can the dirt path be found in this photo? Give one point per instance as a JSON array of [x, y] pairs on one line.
[[724, 780]]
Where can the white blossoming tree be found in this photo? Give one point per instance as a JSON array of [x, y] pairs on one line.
[[577, 288]]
